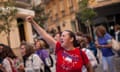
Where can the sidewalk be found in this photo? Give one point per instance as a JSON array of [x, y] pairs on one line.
[[116, 61]]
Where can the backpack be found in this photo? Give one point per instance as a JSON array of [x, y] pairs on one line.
[[41, 69], [47, 67], [115, 45]]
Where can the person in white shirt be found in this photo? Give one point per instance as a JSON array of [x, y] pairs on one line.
[[32, 62], [89, 54], [117, 35], [8, 60], [117, 32]]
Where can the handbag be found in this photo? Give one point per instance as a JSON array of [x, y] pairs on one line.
[[115, 45]]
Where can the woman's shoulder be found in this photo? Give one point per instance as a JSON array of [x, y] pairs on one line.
[[86, 50], [107, 35], [5, 60], [34, 55]]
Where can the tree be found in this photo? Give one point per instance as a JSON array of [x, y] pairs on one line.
[[85, 14], [7, 15], [40, 15]]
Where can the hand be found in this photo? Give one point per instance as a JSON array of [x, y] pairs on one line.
[[21, 67], [0, 65], [2, 68], [29, 19], [98, 46]]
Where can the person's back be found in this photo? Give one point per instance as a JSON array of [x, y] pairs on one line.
[[34, 64], [42, 52]]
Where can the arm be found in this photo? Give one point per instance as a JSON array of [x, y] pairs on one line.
[[89, 67], [109, 45], [2, 68], [42, 32]]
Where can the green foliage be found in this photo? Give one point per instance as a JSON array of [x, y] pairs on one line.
[[7, 15], [85, 13], [40, 15]]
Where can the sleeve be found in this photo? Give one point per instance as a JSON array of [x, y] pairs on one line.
[[84, 58], [58, 47], [108, 38]]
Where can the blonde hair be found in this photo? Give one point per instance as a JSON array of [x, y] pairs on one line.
[[101, 29], [42, 43]]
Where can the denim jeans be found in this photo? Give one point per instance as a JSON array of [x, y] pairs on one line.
[[108, 64]]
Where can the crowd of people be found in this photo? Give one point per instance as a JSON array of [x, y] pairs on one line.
[[74, 52]]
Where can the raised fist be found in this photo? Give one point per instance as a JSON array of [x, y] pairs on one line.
[[29, 19]]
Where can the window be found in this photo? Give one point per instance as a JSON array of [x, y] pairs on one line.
[[62, 5], [69, 3], [73, 25], [21, 29], [62, 9], [55, 10], [71, 9], [63, 13], [79, 1]]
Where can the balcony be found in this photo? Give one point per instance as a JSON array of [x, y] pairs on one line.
[[100, 3], [23, 13], [23, 3]]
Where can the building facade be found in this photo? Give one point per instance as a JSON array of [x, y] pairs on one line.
[[108, 13], [23, 31], [61, 15]]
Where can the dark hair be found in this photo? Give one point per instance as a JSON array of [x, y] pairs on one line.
[[8, 52], [117, 26], [83, 43], [72, 35], [79, 33], [29, 48], [89, 38], [2, 45]]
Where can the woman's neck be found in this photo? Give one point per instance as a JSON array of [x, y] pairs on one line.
[[70, 47]]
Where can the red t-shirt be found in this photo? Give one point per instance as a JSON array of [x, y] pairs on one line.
[[69, 61]]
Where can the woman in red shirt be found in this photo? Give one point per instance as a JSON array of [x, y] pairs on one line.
[[69, 58]]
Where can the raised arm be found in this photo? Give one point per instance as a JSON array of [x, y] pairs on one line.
[[49, 39]]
